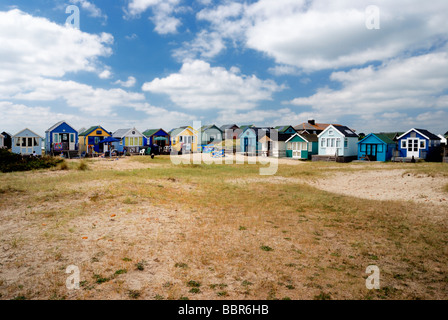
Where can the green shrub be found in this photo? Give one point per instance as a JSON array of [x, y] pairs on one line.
[[83, 165], [10, 162], [193, 283], [63, 165]]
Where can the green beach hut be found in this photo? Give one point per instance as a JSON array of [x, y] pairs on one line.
[[302, 146]]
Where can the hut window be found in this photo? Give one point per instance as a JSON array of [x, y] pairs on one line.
[[322, 143], [345, 143], [180, 139], [338, 142], [379, 147], [330, 132], [310, 147], [289, 146], [55, 137], [403, 144], [18, 142], [422, 144], [72, 137]]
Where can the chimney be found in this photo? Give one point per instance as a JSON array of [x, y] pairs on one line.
[[312, 122]]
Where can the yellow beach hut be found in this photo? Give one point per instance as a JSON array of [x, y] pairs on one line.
[[184, 138]]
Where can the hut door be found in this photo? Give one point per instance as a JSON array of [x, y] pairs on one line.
[[64, 139], [296, 153], [371, 150], [72, 141], [413, 148]]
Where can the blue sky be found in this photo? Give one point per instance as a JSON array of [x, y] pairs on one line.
[[153, 63]]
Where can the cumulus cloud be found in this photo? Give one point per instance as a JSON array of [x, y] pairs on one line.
[[131, 37], [163, 13], [415, 84], [206, 45], [280, 70], [91, 8], [199, 86], [16, 117], [33, 46], [106, 74], [34, 118], [128, 83], [94, 101], [36, 53], [320, 34]]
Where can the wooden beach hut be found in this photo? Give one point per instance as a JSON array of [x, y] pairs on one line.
[[418, 144], [27, 142], [184, 139], [131, 140], [7, 140], [61, 138], [302, 146], [337, 143], [89, 140], [376, 147]]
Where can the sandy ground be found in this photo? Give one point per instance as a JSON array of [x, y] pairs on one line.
[[37, 244], [375, 185], [386, 185], [117, 163], [207, 158]]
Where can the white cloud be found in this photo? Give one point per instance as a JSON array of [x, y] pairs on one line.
[[93, 101], [205, 2], [200, 86], [33, 46], [206, 45], [399, 87], [316, 35], [163, 13], [106, 74], [37, 119], [131, 37], [35, 53], [16, 117], [91, 8], [268, 117], [162, 117], [280, 70], [128, 83]]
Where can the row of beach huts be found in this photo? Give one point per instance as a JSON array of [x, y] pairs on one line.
[[306, 141]]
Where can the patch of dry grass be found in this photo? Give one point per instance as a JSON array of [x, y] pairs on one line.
[[191, 223]]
